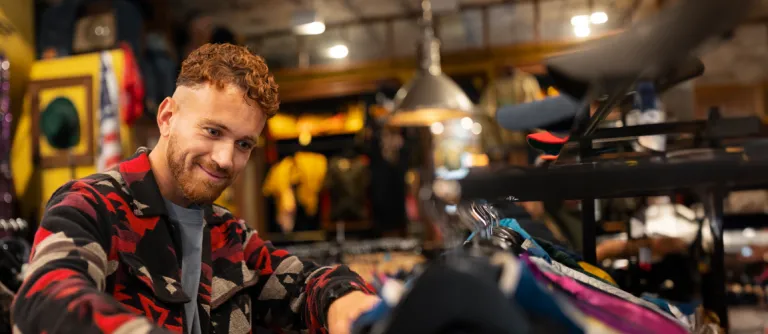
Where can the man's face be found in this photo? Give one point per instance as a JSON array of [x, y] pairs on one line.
[[210, 139]]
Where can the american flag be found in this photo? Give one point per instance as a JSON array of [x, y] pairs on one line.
[[110, 150]]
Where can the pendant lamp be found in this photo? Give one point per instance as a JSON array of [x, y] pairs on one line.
[[431, 96]]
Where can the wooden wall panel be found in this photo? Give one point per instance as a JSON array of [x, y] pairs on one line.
[[733, 100]]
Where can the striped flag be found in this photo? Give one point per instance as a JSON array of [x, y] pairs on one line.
[[110, 150]]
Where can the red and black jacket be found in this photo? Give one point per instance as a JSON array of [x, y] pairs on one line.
[[106, 259]]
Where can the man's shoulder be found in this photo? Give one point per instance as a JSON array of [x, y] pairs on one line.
[[102, 183]]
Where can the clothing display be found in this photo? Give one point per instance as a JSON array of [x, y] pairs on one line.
[[58, 30], [312, 168], [159, 72], [279, 183], [546, 283], [516, 88], [388, 153], [296, 179], [347, 181]]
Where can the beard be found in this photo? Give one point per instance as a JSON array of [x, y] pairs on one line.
[[194, 188]]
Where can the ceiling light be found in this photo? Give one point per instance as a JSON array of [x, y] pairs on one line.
[[598, 17], [338, 51], [580, 20], [431, 96], [437, 128], [307, 22], [581, 31], [466, 123], [477, 128], [312, 28]]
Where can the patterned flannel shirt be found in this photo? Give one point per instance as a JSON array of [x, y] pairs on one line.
[[106, 259]]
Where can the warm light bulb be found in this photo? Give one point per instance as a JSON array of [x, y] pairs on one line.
[[437, 128], [580, 20], [598, 17], [312, 28], [338, 51], [477, 128], [581, 31], [466, 123]]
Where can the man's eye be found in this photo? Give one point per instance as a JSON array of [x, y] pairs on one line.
[[245, 145], [213, 132]]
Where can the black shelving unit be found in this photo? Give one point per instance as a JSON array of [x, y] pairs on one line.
[[711, 169]]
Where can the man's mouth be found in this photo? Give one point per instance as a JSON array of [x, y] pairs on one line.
[[214, 175]]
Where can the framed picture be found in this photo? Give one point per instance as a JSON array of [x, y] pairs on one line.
[[78, 90]]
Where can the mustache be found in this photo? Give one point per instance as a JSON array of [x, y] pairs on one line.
[[214, 167]]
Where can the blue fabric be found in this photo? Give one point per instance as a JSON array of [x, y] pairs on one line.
[[685, 308], [539, 301], [535, 249], [528, 294]]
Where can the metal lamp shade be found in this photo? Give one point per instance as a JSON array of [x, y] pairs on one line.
[[429, 98]]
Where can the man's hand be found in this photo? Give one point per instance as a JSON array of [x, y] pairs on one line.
[[345, 310]]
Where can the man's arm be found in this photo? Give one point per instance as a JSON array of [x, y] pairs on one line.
[[291, 293], [63, 292]]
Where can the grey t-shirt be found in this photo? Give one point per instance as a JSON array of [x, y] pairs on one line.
[[190, 222]]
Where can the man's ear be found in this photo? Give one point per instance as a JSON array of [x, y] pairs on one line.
[[165, 112]]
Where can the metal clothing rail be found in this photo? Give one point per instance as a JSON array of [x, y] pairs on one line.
[[709, 169]]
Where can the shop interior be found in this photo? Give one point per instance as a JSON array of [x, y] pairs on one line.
[[612, 153]]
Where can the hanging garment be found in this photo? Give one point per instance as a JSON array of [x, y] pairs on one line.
[[539, 253], [566, 259], [463, 292], [279, 183], [530, 244], [133, 87], [347, 182], [520, 87], [458, 302], [597, 272], [110, 149], [311, 168], [56, 33], [159, 70], [620, 309]]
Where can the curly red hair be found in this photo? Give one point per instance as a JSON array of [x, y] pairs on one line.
[[222, 64]]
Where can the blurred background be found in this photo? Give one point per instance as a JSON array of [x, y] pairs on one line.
[[328, 170]]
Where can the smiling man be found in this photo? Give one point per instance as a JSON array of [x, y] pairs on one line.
[[142, 249]]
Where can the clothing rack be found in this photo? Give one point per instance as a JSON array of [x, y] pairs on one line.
[[357, 247], [587, 179]]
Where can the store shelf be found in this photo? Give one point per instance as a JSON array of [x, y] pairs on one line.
[[628, 178]]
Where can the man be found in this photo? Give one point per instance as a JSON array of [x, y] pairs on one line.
[[141, 248]]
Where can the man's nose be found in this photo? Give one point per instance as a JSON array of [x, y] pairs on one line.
[[224, 155]]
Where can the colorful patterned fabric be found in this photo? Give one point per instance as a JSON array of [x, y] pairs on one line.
[[106, 259]]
